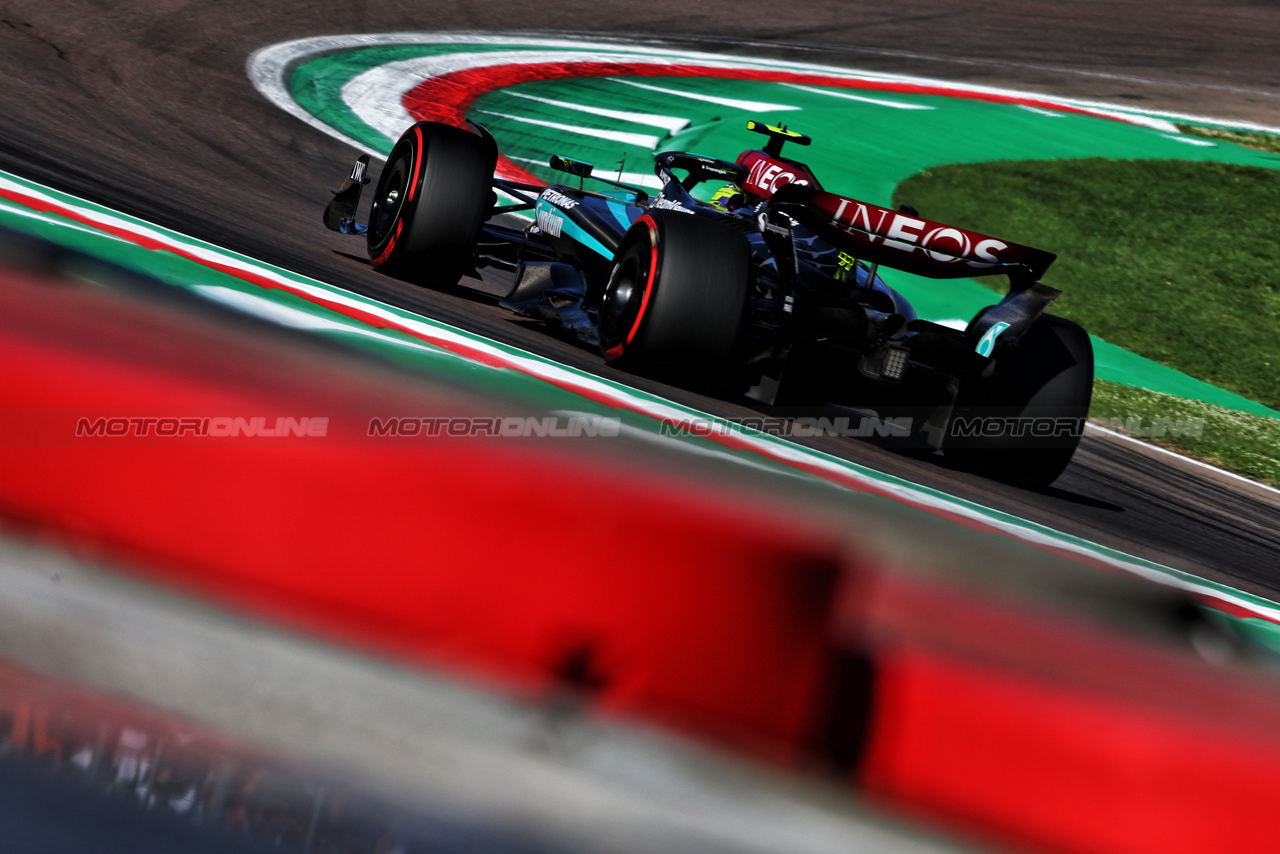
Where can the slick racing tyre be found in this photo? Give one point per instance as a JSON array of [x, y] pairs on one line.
[[1022, 424], [676, 294], [433, 195]]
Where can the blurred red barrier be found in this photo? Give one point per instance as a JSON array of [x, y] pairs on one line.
[[537, 568], [1055, 734], [530, 565], [1055, 766]]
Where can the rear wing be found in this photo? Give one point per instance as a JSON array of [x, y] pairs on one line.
[[907, 242]]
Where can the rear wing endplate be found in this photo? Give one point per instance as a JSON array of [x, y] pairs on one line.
[[907, 242]]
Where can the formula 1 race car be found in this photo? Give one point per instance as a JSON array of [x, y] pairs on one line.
[[768, 291]]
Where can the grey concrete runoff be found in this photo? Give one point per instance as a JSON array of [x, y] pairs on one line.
[[415, 737]]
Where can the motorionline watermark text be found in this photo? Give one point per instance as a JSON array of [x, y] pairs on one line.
[[221, 427], [585, 425], [509, 426], [797, 427], [994, 426], [1017, 426]]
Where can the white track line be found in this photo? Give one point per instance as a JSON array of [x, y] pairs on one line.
[[897, 105], [670, 124], [1229, 474], [1042, 112], [731, 103], [644, 140], [1190, 141], [1136, 118], [8, 208]]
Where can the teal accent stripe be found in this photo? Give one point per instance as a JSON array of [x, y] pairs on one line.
[[619, 212], [572, 229], [576, 231], [988, 342]]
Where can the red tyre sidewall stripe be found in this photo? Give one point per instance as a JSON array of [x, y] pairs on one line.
[[653, 274], [413, 188], [377, 262], [417, 165]]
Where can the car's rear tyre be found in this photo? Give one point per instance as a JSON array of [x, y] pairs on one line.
[[1041, 385], [676, 294], [432, 197]]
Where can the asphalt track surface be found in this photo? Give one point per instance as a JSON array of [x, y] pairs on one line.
[[148, 110]]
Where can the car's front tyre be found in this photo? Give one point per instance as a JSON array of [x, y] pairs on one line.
[[432, 197], [676, 293]]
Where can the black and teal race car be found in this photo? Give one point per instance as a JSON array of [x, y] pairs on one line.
[[768, 291]]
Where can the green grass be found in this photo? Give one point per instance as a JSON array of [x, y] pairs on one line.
[[1178, 261], [1245, 444], [1248, 138]]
